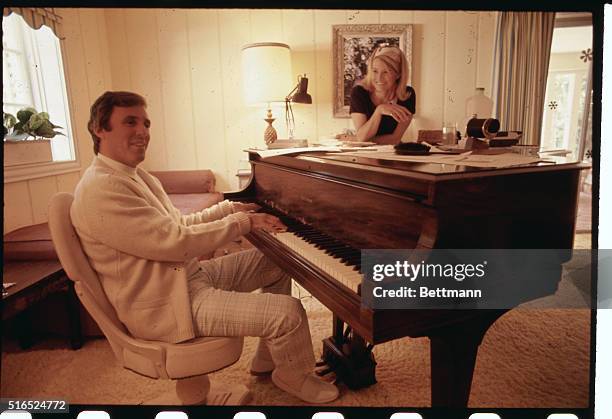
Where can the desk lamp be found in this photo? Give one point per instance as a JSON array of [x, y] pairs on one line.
[[299, 94], [266, 74]]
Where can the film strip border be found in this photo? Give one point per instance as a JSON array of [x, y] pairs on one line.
[[242, 412]]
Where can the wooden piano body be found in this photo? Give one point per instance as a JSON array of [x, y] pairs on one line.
[[382, 204]]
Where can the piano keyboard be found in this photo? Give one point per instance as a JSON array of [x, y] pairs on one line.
[[333, 257]]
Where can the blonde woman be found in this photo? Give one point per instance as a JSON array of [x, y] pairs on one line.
[[382, 105]]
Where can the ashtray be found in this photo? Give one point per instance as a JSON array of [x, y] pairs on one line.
[[411, 149]]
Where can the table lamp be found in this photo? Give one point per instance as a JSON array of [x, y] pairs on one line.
[[266, 74]]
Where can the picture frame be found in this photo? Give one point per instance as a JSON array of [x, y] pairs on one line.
[[352, 46]]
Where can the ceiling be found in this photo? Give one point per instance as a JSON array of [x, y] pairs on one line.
[[572, 39]]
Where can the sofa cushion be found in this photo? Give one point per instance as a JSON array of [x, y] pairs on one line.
[[29, 243], [186, 181], [192, 202]]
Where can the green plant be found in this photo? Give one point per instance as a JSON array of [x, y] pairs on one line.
[[29, 123]]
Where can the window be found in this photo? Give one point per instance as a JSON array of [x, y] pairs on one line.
[[568, 99], [33, 75]]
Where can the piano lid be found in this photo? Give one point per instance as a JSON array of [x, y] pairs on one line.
[[433, 171]]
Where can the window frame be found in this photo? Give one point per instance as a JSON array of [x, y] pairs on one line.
[[29, 171]]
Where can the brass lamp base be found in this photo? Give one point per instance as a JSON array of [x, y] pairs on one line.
[[270, 133]]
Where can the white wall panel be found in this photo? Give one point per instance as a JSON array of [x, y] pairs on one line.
[[144, 66], [118, 52], [240, 126], [41, 191], [460, 63], [77, 79], [324, 20], [428, 68], [67, 182], [94, 61], [207, 93], [17, 206], [484, 56], [298, 32], [177, 102], [361, 17]]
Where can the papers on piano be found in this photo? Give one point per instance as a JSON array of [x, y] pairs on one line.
[[294, 150], [464, 159], [497, 160], [291, 150]]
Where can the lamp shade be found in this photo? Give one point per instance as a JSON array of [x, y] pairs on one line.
[[266, 72]]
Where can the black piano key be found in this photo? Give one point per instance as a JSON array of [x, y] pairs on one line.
[[344, 253]]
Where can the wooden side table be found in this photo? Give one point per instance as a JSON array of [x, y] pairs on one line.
[[34, 281]]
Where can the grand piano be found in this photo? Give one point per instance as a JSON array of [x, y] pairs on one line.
[[336, 204]]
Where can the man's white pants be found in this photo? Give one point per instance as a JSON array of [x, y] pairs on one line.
[[223, 305]]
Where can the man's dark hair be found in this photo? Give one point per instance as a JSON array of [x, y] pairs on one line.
[[102, 109]]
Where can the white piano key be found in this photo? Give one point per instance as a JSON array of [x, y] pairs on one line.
[[345, 274]]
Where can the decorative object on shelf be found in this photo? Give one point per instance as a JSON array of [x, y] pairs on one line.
[[299, 94], [352, 46], [19, 149], [266, 76]]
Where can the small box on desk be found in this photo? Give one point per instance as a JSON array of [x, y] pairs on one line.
[[290, 143]]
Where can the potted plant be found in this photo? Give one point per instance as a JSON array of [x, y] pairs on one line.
[[19, 148]]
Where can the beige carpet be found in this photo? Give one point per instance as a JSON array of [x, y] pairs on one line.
[[529, 358]]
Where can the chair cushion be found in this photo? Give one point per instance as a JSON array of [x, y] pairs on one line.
[[29, 243], [192, 202]]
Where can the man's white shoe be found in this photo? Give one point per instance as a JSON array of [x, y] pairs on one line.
[[312, 390]]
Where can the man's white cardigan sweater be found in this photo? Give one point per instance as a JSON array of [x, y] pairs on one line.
[[143, 248]]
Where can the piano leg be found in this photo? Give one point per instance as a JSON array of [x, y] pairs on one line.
[[453, 358], [348, 355]]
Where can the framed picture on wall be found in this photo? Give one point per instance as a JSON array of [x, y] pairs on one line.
[[352, 46]]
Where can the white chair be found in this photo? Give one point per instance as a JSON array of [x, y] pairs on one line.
[[187, 363]]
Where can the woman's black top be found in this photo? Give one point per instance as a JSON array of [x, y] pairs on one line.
[[361, 103]]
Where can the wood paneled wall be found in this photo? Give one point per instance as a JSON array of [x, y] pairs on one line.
[[187, 63]]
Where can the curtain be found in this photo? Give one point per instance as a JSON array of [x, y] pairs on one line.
[[38, 16], [521, 57]]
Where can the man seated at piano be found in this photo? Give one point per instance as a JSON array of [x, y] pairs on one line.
[[145, 253], [382, 105]]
